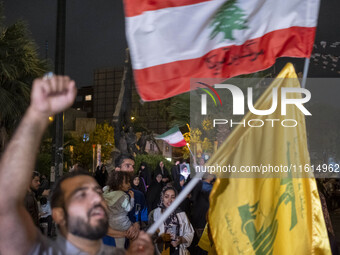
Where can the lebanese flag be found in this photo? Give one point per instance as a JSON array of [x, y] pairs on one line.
[[173, 137], [172, 41]]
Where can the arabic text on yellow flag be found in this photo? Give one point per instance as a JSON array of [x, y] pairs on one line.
[[267, 215]]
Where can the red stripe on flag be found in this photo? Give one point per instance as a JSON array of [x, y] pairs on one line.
[[179, 144], [137, 7], [167, 80]]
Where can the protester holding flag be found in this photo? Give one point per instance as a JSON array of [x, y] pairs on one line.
[[176, 233], [268, 215], [226, 39]]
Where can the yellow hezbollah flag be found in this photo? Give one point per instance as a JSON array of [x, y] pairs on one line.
[[268, 215]]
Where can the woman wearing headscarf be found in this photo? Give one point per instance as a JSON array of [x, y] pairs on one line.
[[176, 233], [136, 184], [144, 174], [101, 175], [160, 169], [154, 192]]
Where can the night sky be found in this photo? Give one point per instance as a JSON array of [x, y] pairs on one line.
[[95, 36]]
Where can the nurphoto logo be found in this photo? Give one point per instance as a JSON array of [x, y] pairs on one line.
[[238, 104]]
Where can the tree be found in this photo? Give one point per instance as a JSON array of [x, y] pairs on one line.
[[207, 145], [179, 110], [152, 161], [228, 18], [185, 149], [82, 151], [82, 148], [104, 135], [19, 65]]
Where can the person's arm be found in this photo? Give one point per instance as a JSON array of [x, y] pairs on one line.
[[133, 231], [129, 203], [142, 245], [48, 97], [187, 231], [116, 233]]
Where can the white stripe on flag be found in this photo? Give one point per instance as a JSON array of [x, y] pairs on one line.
[[173, 138], [180, 33]]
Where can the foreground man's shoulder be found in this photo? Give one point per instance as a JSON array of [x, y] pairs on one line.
[[60, 246], [106, 250]]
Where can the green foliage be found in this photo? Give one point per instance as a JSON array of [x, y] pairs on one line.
[[104, 135], [179, 110], [152, 161], [43, 165], [83, 151], [207, 145], [19, 65], [228, 18], [185, 149]]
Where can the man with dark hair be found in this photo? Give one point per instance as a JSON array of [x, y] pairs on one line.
[[78, 207], [30, 201], [44, 187], [126, 163]]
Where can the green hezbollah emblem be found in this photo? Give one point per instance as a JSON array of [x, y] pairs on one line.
[[263, 240], [228, 18]]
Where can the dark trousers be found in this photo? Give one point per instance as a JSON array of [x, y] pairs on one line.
[[47, 219]]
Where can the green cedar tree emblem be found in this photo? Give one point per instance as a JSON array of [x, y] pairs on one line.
[[263, 239], [228, 18]]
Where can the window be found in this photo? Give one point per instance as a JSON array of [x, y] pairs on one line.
[[88, 97]]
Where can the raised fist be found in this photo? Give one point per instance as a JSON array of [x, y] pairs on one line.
[[52, 95]]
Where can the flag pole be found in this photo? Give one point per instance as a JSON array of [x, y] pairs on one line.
[[192, 155], [305, 72], [184, 193]]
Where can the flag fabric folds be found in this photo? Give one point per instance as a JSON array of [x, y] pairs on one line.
[[172, 41], [267, 215], [173, 137]]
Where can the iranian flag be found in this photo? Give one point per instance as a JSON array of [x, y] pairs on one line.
[[172, 41], [173, 137]]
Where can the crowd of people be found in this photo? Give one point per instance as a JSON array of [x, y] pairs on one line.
[[77, 204], [103, 213], [135, 200], [156, 190]]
